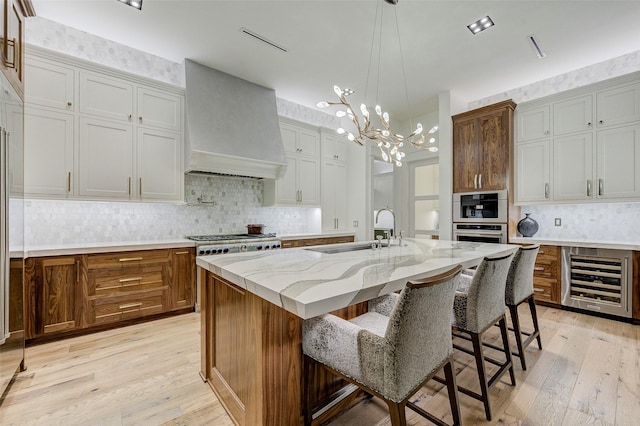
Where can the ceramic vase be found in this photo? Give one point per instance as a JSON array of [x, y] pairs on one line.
[[527, 226]]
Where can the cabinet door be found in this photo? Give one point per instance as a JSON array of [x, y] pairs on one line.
[[48, 148], [49, 85], [533, 172], [573, 115], [105, 97], [341, 196], [58, 294], [182, 283], [289, 138], [618, 106], [287, 187], [14, 43], [618, 163], [105, 154], [465, 155], [334, 148], [159, 109], [573, 167], [308, 142], [494, 158], [309, 181], [533, 124], [159, 165], [329, 189]]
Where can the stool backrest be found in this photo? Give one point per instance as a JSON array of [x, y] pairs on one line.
[[520, 277], [418, 335], [485, 300]]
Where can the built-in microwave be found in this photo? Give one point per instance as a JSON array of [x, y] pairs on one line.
[[477, 207]]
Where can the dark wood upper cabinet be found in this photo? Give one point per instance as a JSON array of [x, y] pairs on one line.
[[12, 44], [482, 141]]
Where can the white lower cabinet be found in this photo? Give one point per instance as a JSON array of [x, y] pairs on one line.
[[334, 196], [159, 172], [48, 155], [105, 158], [573, 167], [618, 163], [533, 172]]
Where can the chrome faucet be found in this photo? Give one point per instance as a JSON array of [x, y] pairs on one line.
[[394, 220]]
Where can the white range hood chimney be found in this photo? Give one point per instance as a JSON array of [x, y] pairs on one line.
[[232, 125]]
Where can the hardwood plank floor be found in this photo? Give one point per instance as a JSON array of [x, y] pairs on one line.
[[147, 374]]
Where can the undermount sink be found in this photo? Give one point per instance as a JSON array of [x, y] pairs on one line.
[[341, 249]]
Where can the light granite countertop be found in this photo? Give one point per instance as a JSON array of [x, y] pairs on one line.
[[110, 246], [311, 236], [614, 245], [310, 283]]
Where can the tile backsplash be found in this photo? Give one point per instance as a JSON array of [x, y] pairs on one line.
[[236, 203], [588, 222]]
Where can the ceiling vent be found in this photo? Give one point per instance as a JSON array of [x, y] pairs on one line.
[[262, 39], [536, 46]]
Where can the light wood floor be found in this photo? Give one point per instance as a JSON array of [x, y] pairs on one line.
[[587, 373]]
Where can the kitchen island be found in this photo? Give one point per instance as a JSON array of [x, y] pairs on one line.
[[253, 305]]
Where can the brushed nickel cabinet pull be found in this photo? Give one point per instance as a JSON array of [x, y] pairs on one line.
[[130, 305], [538, 290], [475, 181], [77, 271], [480, 180], [600, 187], [182, 252], [12, 63], [140, 118], [130, 259], [140, 187], [588, 187], [546, 190], [126, 280], [130, 117], [301, 195], [69, 182], [69, 103], [129, 185], [538, 268]]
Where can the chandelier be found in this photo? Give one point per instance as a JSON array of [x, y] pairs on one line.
[[391, 144]]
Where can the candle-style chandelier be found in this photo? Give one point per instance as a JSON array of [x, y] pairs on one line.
[[391, 144]]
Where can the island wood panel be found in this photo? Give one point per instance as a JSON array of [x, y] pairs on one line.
[[252, 355], [16, 298], [306, 242], [636, 286], [182, 272], [546, 275]]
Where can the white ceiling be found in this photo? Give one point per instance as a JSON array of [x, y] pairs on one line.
[[329, 42]]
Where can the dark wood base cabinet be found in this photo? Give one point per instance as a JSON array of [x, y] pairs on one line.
[[635, 292], [65, 295], [252, 356], [546, 276]]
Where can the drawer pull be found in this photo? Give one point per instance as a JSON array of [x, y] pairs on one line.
[[540, 251], [182, 252], [126, 280], [130, 305], [538, 290], [130, 259], [538, 268]]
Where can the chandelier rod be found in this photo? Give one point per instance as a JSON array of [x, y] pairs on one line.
[[404, 71], [373, 40]]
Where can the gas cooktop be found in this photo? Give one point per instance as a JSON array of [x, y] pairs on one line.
[[228, 237]]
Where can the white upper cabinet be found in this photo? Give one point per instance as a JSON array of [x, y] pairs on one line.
[[105, 156], [48, 152], [159, 165], [533, 172], [618, 163], [50, 85], [299, 140], [93, 133], [105, 97], [618, 106], [593, 146], [158, 109], [573, 167], [533, 124], [334, 147], [573, 115]]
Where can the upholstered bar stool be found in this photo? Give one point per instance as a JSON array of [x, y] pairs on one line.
[[390, 357], [478, 305], [519, 289]]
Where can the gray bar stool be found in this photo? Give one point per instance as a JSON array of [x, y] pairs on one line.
[[477, 306], [390, 357]]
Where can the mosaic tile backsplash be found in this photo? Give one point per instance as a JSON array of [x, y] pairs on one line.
[[236, 203], [616, 222]]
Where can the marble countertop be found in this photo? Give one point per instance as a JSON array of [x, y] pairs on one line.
[[310, 236], [111, 246], [614, 245], [310, 283]]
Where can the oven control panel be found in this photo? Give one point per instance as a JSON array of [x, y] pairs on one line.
[[210, 249]]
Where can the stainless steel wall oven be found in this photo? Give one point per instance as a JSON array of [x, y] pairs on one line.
[[480, 217]]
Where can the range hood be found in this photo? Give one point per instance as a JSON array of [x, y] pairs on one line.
[[232, 125]]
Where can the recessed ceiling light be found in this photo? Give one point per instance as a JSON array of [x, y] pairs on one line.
[[133, 3], [481, 25]]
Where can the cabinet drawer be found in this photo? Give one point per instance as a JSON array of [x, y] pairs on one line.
[[543, 289], [127, 259], [111, 309], [116, 281]]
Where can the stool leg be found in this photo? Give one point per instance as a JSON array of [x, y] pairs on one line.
[[534, 318], [515, 320], [452, 389], [507, 350], [482, 374], [397, 413]]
